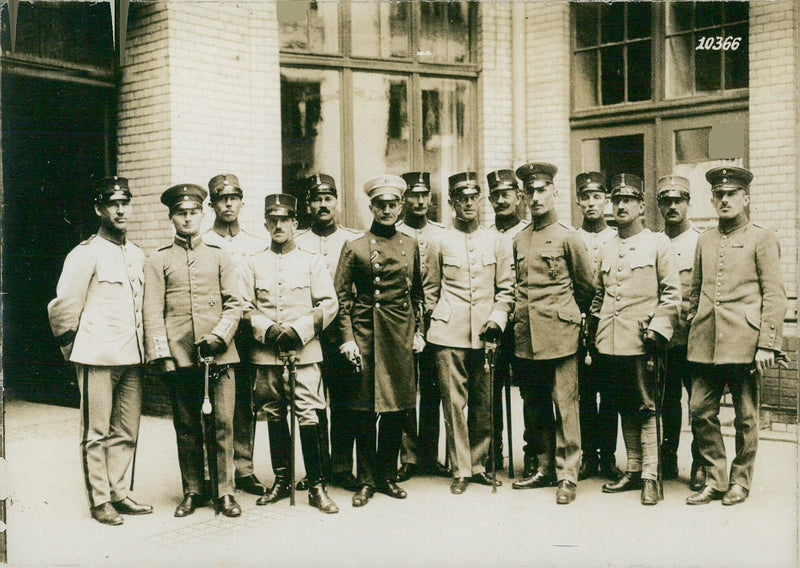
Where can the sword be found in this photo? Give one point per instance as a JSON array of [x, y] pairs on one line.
[[207, 420], [290, 371], [489, 352]]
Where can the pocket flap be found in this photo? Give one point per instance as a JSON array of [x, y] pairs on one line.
[[489, 258], [441, 312], [753, 319], [569, 316], [112, 274], [641, 261], [451, 260]]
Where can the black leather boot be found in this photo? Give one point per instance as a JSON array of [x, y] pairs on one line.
[[317, 495], [531, 465], [279, 448], [589, 465]]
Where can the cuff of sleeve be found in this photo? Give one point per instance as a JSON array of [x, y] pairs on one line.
[[304, 328], [770, 337], [500, 318], [260, 324], [225, 329], [159, 348], [662, 326]]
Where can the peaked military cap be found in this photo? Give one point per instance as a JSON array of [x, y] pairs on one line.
[[112, 188], [417, 182], [501, 179], [385, 187], [320, 183], [627, 185], [280, 204], [536, 174], [590, 181], [672, 186], [224, 184], [729, 177], [184, 196], [464, 183]]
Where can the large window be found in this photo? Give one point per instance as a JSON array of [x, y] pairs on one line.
[[376, 87], [631, 52]]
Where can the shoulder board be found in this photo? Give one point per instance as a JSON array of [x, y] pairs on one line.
[[212, 245], [437, 224], [165, 247], [302, 232], [566, 225], [714, 228], [305, 250], [351, 231], [406, 230], [358, 236], [759, 225], [87, 241]]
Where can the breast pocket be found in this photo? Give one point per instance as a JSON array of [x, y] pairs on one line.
[[450, 266], [111, 275], [263, 289], [641, 261]]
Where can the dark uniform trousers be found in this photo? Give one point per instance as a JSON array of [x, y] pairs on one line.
[[678, 374], [544, 384], [420, 441], [634, 397], [186, 395], [381, 431], [335, 372], [708, 385], [598, 419], [244, 417], [504, 370]]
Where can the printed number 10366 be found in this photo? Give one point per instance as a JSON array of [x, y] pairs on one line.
[[718, 43]]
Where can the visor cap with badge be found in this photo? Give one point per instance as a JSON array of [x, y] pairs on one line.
[[385, 187], [728, 178], [464, 183], [184, 196], [501, 180], [280, 205], [536, 174], [671, 186], [627, 185], [224, 184], [590, 181], [417, 182], [113, 188]]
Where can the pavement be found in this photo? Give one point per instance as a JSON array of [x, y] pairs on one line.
[[49, 522]]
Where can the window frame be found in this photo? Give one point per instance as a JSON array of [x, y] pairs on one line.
[[413, 67], [659, 105]]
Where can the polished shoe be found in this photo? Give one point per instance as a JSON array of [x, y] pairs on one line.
[[191, 501], [406, 471], [669, 467], [345, 480], [458, 485], [609, 469], [281, 489], [630, 481], [649, 492], [363, 495], [565, 494], [705, 496], [697, 478], [106, 514], [250, 484], [435, 469], [318, 497], [735, 494], [302, 485], [590, 465], [128, 506], [484, 478], [390, 488], [228, 506], [535, 481]]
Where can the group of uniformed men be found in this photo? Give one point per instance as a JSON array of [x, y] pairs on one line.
[[590, 323]]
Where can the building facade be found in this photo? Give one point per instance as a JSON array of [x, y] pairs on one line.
[[166, 92]]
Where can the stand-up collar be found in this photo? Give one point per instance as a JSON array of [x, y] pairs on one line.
[[415, 221], [384, 231], [545, 220], [324, 230], [191, 243], [117, 239], [596, 226], [282, 248], [226, 229], [465, 226], [504, 222], [730, 225]]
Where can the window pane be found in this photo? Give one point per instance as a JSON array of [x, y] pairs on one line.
[[691, 145], [680, 79], [380, 132], [612, 19], [310, 126], [448, 134], [639, 71], [736, 11], [311, 27], [708, 70], [585, 90], [639, 19], [737, 62], [586, 24], [679, 16], [379, 29], [707, 14], [444, 33], [612, 71]]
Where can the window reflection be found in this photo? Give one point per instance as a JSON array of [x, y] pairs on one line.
[[380, 132], [379, 29], [448, 133], [311, 27], [310, 128], [444, 32]]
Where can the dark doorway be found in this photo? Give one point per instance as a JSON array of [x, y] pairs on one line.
[[55, 141]]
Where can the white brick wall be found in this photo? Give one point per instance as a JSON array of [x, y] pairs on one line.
[[773, 129], [211, 89]]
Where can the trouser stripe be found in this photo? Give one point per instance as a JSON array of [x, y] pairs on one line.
[[85, 435]]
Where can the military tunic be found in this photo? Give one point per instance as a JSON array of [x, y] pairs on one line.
[[97, 318], [378, 283]]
